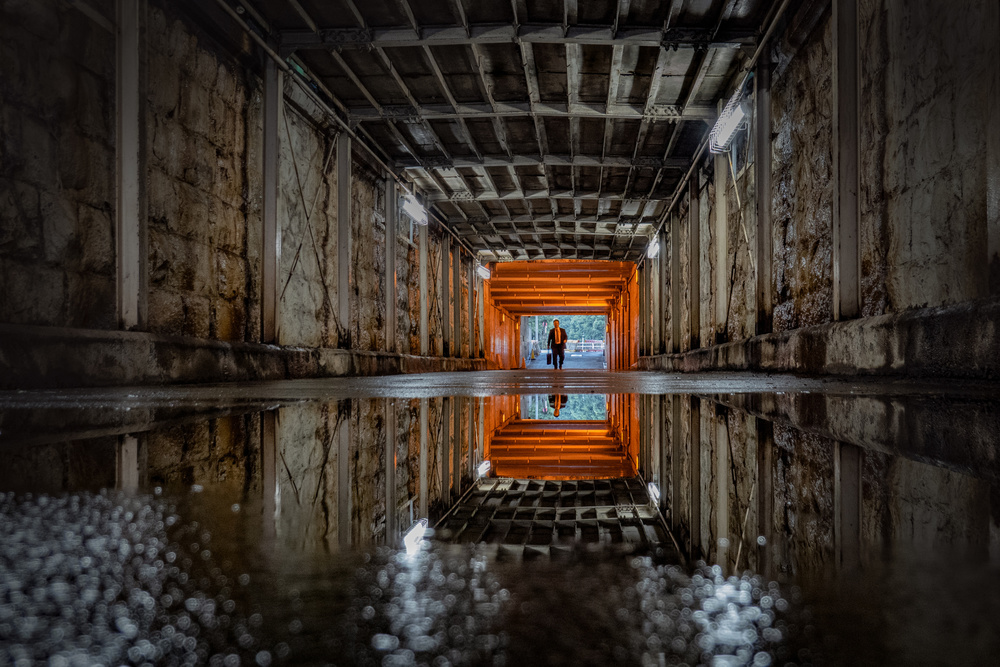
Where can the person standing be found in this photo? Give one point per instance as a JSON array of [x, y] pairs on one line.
[[557, 343]]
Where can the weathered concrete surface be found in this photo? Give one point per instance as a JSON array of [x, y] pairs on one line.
[[204, 137], [32, 357], [949, 341], [57, 167], [802, 186]]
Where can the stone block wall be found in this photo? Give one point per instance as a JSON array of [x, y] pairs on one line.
[[307, 209], [57, 167], [204, 134]]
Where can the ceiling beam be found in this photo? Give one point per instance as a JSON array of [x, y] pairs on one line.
[[533, 161], [515, 195], [454, 110], [504, 33]]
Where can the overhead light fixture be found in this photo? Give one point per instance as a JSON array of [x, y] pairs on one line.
[[483, 469], [483, 271], [732, 119], [653, 249], [414, 209], [412, 537], [654, 493]]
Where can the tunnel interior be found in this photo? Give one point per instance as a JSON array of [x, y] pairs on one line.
[[277, 285]]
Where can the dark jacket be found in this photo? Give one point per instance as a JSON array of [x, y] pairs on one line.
[[561, 346]]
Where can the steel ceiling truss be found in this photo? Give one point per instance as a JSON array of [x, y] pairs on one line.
[[515, 120]]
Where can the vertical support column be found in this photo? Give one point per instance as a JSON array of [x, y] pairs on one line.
[[481, 299], [473, 449], [722, 480], [391, 231], [721, 245], [694, 261], [269, 470], [472, 310], [390, 472], [127, 464], [456, 459], [762, 175], [423, 456], [130, 209], [847, 505], [695, 433], [424, 294], [676, 456], [445, 297], [344, 238], [456, 269], [656, 431], [344, 478], [271, 253], [846, 156], [675, 283], [664, 315], [765, 497], [445, 450], [481, 434], [656, 285]]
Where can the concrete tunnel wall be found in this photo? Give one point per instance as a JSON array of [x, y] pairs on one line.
[[202, 170], [928, 222]]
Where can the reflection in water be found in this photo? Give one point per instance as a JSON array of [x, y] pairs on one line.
[[879, 508]]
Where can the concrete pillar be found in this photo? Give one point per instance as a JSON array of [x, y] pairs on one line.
[[456, 459], [130, 210], [656, 285], [344, 238], [391, 529], [269, 470], [424, 294], [472, 309], [675, 283], [473, 449], [423, 456], [676, 456], [762, 175], [344, 479], [765, 499], [445, 451], [696, 499], [846, 159], [482, 318], [643, 309], [456, 270], [721, 228], [127, 464], [847, 505], [445, 297], [723, 478], [391, 231], [694, 262], [664, 313]]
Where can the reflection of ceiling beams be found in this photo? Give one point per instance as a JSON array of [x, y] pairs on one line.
[[554, 33]]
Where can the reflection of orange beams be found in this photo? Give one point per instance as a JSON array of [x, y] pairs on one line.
[[537, 287]]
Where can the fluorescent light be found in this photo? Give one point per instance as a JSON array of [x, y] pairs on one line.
[[414, 209], [483, 271], [412, 537], [484, 468], [732, 119], [653, 249], [654, 493]]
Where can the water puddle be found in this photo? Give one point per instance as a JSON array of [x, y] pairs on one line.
[[562, 528]]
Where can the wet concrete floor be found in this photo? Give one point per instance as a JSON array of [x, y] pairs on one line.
[[657, 519]]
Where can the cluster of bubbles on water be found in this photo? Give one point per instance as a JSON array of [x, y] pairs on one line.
[[450, 606], [707, 618], [435, 607], [91, 579]]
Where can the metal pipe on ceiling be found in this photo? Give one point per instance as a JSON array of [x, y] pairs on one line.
[[407, 186]]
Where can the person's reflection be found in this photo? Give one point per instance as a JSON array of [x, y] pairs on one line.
[[557, 401]]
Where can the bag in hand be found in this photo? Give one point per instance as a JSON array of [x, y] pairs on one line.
[[548, 358]]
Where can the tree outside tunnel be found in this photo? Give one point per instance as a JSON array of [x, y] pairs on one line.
[[581, 331]]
